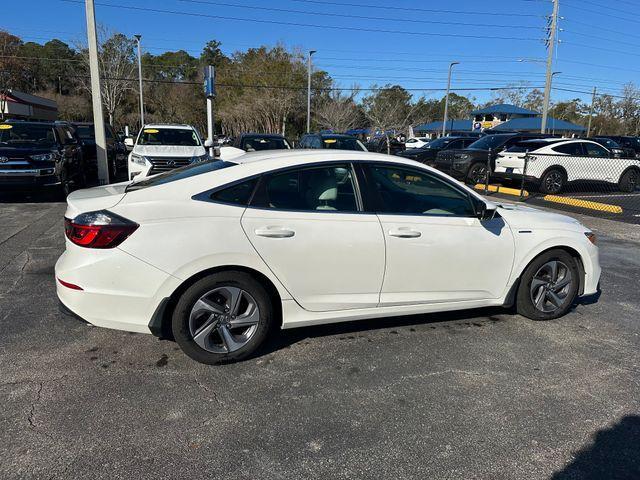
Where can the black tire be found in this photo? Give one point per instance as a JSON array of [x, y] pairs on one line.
[[525, 302], [180, 323], [553, 181], [629, 180], [477, 174]]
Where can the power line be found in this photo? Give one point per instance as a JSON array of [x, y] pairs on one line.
[[297, 24], [420, 9], [598, 27], [583, 45], [600, 13], [606, 39], [362, 17]]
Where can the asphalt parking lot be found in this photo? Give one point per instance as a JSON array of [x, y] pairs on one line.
[[477, 394]]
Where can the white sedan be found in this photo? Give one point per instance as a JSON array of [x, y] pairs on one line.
[[217, 254], [416, 142]]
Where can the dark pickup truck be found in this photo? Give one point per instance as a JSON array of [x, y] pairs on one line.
[[40, 154]]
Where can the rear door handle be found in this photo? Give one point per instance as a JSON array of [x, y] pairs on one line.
[[404, 233], [274, 232]]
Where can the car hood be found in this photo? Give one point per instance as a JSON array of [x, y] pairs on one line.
[[96, 198], [168, 151], [521, 216]]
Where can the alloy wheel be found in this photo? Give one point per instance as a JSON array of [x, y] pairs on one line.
[[553, 182], [478, 174], [224, 320], [550, 286]]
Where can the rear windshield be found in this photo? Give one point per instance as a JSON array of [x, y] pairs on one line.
[[342, 143], [87, 132], [184, 137], [254, 144], [607, 142], [490, 142], [27, 134], [179, 174]]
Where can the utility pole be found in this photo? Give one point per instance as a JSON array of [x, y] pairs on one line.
[[96, 94], [210, 92], [311, 52], [551, 42], [138, 37], [446, 100], [593, 100]]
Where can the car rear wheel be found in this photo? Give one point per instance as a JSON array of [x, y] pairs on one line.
[[223, 317], [629, 181], [477, 174], [549, 286], [552, 181]]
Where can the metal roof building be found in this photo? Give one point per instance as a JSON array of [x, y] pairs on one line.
[[436, 127], [14, 104], [534, 124]]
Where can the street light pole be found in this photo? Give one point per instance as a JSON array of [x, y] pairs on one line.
[[138, 37], [593, 101], [311, 52], [550, 49], [96, 94], [446, 100]]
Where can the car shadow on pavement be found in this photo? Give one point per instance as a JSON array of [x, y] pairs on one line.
[[459, 318], [614, 453]]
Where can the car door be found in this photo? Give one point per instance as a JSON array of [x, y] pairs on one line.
[[308, 226], [438, 251]]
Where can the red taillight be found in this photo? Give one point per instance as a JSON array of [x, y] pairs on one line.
[[101, 229], [70, 285]]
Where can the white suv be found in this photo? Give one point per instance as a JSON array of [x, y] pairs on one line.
[[555, 161], [163, 147]]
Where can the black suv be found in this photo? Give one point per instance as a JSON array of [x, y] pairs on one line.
[[379, 145], [331, 140], [627, 143], [252, 142], [40, 154], [427, 153], [470, 164], [116, 151]]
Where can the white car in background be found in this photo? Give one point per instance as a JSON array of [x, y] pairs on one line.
[[554, 162], [416, 142], [220, 253], [163, 147]]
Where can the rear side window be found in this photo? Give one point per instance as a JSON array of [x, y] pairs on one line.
[[570, 149], [238, 194], [328, 189]]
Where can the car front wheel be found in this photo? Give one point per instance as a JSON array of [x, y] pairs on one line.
[[549, 286], [552, 181], [477, 174], [223, 317]]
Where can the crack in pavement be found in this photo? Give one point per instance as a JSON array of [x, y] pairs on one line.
[[32, 412], [206, 389]]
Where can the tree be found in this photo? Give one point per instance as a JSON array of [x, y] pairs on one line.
[[534, 100], [117, 64], [337, 111], [629, 106], [10, 67]]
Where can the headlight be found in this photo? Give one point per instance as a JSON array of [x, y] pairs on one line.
[[139, 159], [464, 157], [44, 157], [201, 158]]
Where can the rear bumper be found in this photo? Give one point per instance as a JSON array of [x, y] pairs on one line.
[[118, 290]]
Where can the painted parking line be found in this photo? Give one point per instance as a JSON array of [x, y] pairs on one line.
[[613, 195], [501, 189], [576, 202]]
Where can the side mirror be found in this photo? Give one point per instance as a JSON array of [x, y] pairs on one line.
[[485, 211], [128, 143]]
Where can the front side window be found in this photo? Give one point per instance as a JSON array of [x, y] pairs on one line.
[[329, 189], [594, 150], [405, 191], [183, 137]]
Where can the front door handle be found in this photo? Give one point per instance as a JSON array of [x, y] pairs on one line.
[[275, 232], [404, 233]]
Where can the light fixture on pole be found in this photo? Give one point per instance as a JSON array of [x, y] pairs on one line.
[[446, 100], [138, 37], [311, 52]]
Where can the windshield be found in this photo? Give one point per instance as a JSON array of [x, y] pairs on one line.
[[179, 174], [253, 144], [183, 137], [343, 143], [87, 132], [27, 134], [490, 142], [607, 142], [439, 142]]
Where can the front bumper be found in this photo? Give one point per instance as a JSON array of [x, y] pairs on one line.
[[29, 178]]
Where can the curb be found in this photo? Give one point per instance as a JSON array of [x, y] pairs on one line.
[[602, 207], [501, 189]]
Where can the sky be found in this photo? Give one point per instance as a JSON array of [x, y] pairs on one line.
[[366, 42]]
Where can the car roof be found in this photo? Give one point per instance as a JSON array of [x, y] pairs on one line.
[[313, 155], [547, 140], [32, 122], [333, 135], [262, 135], [176, 126]]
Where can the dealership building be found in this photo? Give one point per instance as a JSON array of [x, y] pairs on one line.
[[24, 106]]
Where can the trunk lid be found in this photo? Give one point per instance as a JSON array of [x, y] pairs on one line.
[[96, 198]]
